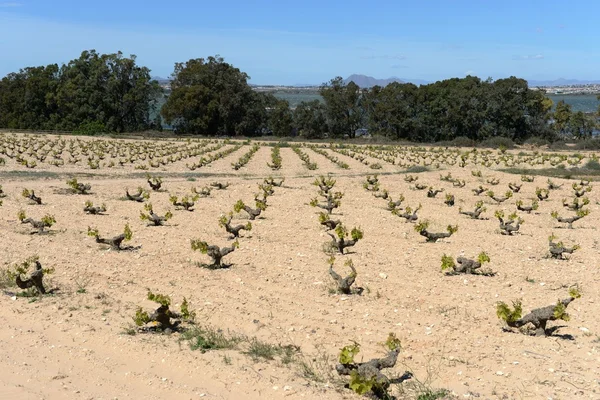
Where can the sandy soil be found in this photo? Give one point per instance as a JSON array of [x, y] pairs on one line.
[[73, 345]]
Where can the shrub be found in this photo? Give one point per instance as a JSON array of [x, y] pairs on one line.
[[261, 205], [162, 319], [243, 160], [216, 253], [36, 276], [434, 237], [462, 141], [479, 208], [570, 220], [225, 222], [528, 209], [275, 159], [89, 208], [220, 185], [333, 202], [115, 242], [537, 141], [91, 128], [30, 194], [594, 165], [186, 202], [46, 222], [538, 317], [79, 188], [340, 240], [588, 144], [141, 195], [409, 214], [558, 250], [366, 378], [155, 182], [343, 284], [153, 218], [466, 265], [498, 142], [509, 226]]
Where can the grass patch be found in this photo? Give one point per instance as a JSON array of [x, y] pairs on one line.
[[129, 330], [564, 173], [6, 279], [205, 339], [30, 175], [433, 394], [416, 169], [593, 165], [318, 368], [259, 350]]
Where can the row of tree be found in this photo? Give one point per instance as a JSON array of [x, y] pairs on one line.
[[109, 92], [467, 107], [95, 93], [569, 124]]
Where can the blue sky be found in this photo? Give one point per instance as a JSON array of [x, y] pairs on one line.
[[308, 41]]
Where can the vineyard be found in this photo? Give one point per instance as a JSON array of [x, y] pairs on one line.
[[268, 270]]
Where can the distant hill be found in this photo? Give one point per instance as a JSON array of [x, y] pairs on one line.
[[562, 82], [365, 81], [160, 79]]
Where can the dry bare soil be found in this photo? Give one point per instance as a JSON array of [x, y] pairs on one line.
[[78, 343]]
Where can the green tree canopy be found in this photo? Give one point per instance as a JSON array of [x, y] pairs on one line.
[[456, 107], [310, 120], [343, 107], [581, 125], [210, 96], [108, 91], [562, 118], [281, 119]]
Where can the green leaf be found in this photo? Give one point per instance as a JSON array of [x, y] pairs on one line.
[[359, 384], [348, 353]]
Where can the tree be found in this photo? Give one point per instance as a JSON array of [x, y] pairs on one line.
[[581, 125], [343, 107], [281, 119], [392, 109], [96, 92], [108, 89], [539, 112], [27, 98], [562, 118], [210, 96], [309, 119]]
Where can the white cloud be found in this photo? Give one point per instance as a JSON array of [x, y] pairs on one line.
[[10, 4]]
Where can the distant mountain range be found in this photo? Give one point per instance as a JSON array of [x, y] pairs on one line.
[[160, 79], [365, 81], [561, 82]]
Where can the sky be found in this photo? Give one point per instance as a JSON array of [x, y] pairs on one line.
[[310, 42]]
